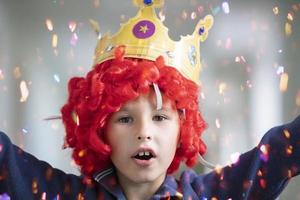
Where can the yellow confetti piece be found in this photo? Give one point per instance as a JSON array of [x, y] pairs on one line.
[[17, 72], [222, 88], [288, 29], [276, 10], [54, 40], [286, 133], [49, 24], [24, 91], [290, 16], [34, 186], [284, 79], [297, 98]]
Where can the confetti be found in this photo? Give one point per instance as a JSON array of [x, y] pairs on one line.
[[74, 39], [72, 26], [280, 70], [222, 88], [44, 196], [289, 150], [24, 91], [162, 16], [200, 9], [276, 10], [56, 78], [24, 130], [5, 196], [286, 133], [228, 43], [216, 10], [288, 29], [298, 98], [34, 186], [193, 15], [284, 79], [96, 3], [290, 16], [235, 157], [1, 75], [17, 72], [54, 40], [184, 15], [225, 7], [49, 24], [218, 125]]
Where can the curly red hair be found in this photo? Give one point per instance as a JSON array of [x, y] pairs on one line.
[[104, 90]]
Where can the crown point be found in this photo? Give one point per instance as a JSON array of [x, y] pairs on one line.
[[148, 2]]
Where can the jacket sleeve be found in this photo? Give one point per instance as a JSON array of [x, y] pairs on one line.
[[261, 173], [22, 176]]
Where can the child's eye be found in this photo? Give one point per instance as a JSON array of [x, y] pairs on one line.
[[159, 118], [125, 120]]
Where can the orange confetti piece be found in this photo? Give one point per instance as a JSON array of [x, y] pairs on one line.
[[284, 79], [286, 133], [289, 150]]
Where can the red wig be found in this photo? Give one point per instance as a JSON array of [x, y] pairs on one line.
[[93, 99]]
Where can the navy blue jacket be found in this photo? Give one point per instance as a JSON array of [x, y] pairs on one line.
[[261, 173]]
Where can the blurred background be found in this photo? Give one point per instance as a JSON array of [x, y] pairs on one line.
[[250, 76]]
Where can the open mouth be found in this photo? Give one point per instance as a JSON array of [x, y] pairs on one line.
[[144, 155]]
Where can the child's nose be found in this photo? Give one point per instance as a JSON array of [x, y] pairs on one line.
[[144, 132]]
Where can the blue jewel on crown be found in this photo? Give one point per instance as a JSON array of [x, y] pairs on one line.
[[201, 30], [148, 2]]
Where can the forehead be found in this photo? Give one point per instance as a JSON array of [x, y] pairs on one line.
[[150, 99]]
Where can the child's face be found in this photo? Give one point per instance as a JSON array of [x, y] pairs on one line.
[[143, 139]]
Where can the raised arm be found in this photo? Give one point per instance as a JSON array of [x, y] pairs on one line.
[[22, 176], [261, 173]]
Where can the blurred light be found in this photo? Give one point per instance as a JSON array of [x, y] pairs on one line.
[[24, 91], [184, 15], [56, 78], [228, 43], [218, 125], [162, 16], [17, 72], [284, 79], [280, 70], [276, 10], [288, 29], [74, 39], [49, 24], [222, 88], [193, 15], [24, 130], [96, 3], [72, 26], [1, 75], [290, 16], [298, 98], [200, 9], [225, 7], [216, 10], [54, 40], [235, 157]]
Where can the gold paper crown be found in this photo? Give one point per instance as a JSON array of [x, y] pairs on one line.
[[145, 36]]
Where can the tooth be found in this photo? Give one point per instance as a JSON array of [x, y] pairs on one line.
[[147, 153], [141, 153]]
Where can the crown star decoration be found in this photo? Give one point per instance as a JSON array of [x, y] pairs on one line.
[[146, 37]]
